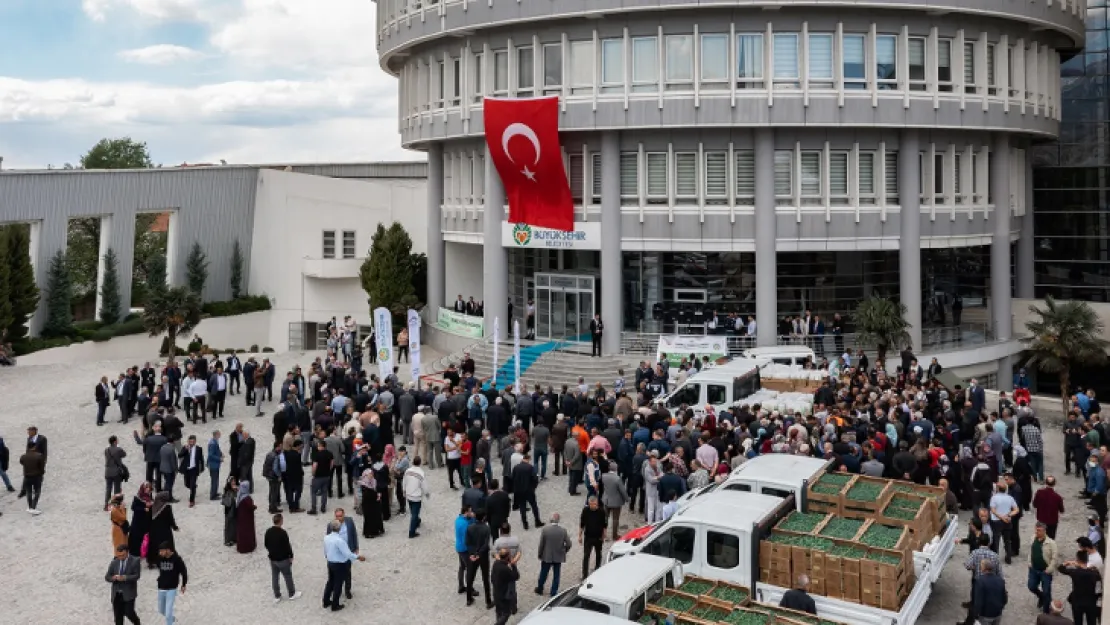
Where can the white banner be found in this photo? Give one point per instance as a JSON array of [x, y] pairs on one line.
[[383, 328], [496, 340], [516, 356], [414, 346], [585, 236], [678, 347]]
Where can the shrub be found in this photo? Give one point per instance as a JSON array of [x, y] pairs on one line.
[[89, 324], [28, 344], [131, 326], [101, 335], [267, 350], [194, 346], [254, 349], [241, 306]]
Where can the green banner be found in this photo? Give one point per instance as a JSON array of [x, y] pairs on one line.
[[459, 324]]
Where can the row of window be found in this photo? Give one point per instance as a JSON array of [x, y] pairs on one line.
[[708, 62], [328, 249], [802, 177]]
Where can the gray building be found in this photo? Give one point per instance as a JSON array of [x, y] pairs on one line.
[[741, 159]]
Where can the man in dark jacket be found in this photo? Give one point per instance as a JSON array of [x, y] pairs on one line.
[[152, 444], [293, 478], [524, 491], [246, 457], [123, 574], [1083, 598], [504, 577], [990, 594], [798, 598], [477, 553], [248, 379], [191, 464]]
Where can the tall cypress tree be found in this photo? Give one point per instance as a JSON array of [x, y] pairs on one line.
[[109, 289], [236, 271], [23, 293], [5, 294], [59, 296], [196, 269], [156, 274]]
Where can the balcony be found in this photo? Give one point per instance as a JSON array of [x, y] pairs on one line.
[[331, 268]]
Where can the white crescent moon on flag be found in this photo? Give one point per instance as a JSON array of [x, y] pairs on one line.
[[517, 128]]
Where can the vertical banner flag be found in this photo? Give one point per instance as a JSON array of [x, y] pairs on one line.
[[414, 346], [383, 328], [516, 356], [523, 140], [496, 340]]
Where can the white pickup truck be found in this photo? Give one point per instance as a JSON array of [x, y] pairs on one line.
[[718, 535], [783, 475], [621, 588]]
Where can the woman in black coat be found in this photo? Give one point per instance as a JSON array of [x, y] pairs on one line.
[[372, 526], [229, 500], [1023, 475], [140, 519], [162, 526]]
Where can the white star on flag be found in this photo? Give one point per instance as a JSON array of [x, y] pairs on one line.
[[528, 173]]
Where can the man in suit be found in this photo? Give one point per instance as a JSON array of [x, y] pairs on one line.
[[524, 480], [248, 379], [246, 457], [215, 460], [192, 464], [133, 389], [152, 446], [596, 329], [460, 305], [123, 574], [554, 545], [123, 388], [103, 397], [234, 368], [172, 373], [39, 441], [148, 377], [217, 389], [268, 378]]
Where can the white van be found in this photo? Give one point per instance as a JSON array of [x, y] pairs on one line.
[[622, 589], [719, 387], [782, 354]]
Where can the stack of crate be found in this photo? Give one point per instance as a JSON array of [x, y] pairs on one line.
[[885, 584], [775, 562], [869, 507], [924, 524]]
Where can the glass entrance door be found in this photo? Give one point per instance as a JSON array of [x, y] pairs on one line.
[[564, 306]]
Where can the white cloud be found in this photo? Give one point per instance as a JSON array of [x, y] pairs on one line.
[[161, 54], [163, 10]]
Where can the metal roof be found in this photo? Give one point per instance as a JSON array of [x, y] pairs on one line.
[[383, 169]]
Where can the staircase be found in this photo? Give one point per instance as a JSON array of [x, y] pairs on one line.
[[542, 362]]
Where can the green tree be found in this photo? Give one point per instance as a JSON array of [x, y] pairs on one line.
[[196, 269], [83, 254], [236, 271], [1064, 335], [386, 274], [148, 245], [23, 293], [419, 264], [174, 312], [123, 153], [110, 310], [59, 296], [155, 275], [882, 322], [6, 316]]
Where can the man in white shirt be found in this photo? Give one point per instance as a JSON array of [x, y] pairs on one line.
[[1003, 508], [217, 382], [198, 388], [192, 463], [751, 325], [187, 395], [416, 491]]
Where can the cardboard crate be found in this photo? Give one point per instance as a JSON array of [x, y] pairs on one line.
[[922, 526], [884, 593], [694, 578], [713, 606], [787, 615], [835, 500], [778, 529], [934, 492], [850, 587], [776, 384], [824, 507], [856, 509], [737, 587], [801, 561], [882, 570], [905, 543]]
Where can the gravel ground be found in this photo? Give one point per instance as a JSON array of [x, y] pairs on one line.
[[409, 579]]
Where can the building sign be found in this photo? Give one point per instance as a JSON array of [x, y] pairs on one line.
[[459, 324], [585, 236]]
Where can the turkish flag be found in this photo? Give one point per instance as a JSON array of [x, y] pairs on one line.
[[523, 139]]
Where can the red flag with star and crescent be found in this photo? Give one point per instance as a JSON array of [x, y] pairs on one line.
[[523, 140]]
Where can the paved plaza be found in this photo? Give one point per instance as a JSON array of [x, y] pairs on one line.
[[55, 563]]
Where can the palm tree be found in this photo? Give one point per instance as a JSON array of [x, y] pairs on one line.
[[1066, 334], [174, 311], [882, 322]]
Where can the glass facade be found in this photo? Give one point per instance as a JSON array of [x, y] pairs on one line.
[[1072, 176]]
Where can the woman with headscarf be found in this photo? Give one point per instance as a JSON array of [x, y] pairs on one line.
[[246, 541], [162, 526], [228, 500], [140, 519], [1023, 475], [982, 481], [118, 516], [371, 506], [382, 481], [967, 466]]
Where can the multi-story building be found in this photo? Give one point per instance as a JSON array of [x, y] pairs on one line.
[[743, 158]]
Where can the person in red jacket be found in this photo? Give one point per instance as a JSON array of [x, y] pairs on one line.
[[1049, 505]]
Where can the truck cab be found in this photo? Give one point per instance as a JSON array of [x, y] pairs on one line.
[[777, 475], [622, 588], [719, 387]]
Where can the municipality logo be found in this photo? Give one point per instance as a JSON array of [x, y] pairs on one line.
[[522, 234], [383, 354]]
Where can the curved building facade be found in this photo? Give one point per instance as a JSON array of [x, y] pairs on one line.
[[739, 159]]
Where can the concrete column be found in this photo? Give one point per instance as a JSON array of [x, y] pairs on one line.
[[909, 249], [117, 232], [437, 252], [48, 236], [766, 262], [612, 285], [1001, 307], [495, 258], [1023, 264]]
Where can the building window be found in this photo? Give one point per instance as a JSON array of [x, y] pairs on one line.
[[854, 59], [329, 244], [867, 178], [745, 177], [838, 178], [441, 83], [784, 170], [477, 86], [938, 178], [969, 68], [348, 244], [749, 61], [917, 55], [581, 67], [645, 64], [657, 177], [552, 68], [525, 72], [886, 61], [612, 65], [992, 84], [576, 176], [1010, 71], [456, 81], [680, 62], [686, 175], [480, 179], [890, 171], [944, 65], [630, 179], [786, 60], [448, 182], [501, 73], [820, 61], [595, 178], [810, 176], [716, 176], [714, 62]]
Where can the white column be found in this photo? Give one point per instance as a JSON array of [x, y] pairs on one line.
[[766, 262], [437, 268], [1001, 307], [909, 251], [495, 258], [612, 287]]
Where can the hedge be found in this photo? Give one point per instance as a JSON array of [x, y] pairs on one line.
[[241, 306]]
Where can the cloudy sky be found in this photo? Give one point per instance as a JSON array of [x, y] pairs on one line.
[[247, 81]]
